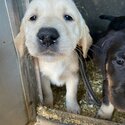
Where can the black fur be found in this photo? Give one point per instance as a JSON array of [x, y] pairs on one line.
[[110, 51], [117, 23]]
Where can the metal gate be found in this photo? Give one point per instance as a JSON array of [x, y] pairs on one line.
[[13, 109]]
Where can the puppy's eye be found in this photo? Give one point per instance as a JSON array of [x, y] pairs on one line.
[[68, 18], [120, 61], [33, 18]]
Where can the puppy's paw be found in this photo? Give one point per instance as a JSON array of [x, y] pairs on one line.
[[48, 101], [73, 108], [103, 115], [105, 112]]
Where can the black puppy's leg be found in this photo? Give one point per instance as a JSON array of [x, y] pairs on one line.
[[106, 109]]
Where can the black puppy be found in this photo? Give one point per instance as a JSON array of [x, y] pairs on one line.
[[110, 57]]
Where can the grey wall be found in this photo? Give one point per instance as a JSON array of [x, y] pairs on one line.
[[12, 104], [91, 9]]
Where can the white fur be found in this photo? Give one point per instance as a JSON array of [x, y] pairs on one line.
[[106, 111], [61, 68], [61, 72]]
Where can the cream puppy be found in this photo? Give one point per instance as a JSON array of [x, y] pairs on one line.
[[51, 30]]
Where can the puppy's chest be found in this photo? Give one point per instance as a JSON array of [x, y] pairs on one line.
[[54, 71]]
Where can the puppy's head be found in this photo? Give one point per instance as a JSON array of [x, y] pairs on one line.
[[116, 74], [53, 28]]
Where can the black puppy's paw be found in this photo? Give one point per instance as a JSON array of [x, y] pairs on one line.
[[105, 112]]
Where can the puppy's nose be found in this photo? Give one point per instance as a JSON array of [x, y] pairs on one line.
[[47, 36]]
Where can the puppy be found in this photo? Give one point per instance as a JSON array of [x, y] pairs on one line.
[[110, 57], [51, 30]]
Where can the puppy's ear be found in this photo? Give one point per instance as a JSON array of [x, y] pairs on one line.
[[85, 39], [19, 41]]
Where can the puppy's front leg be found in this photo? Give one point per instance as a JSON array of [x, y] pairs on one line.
[[47, 92], [106, 109], [71, 94]]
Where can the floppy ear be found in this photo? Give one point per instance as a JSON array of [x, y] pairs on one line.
[[86, 40], [19, 42]]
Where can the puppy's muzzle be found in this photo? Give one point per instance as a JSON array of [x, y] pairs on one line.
[[47, 36]]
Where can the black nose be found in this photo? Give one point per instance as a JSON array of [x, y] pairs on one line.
[[47, 36]]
